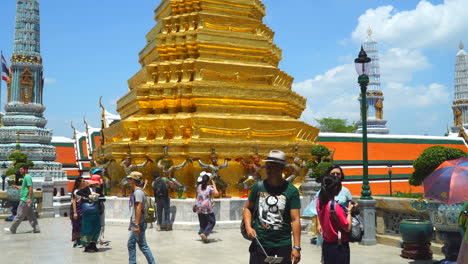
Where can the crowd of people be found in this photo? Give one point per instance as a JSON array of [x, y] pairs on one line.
[[271, 214]]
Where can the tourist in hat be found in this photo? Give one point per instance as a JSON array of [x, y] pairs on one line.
[[76, 212], [90, 221], [137, 220], [204, 206], [277, 215], [97, 174], [26, 205]]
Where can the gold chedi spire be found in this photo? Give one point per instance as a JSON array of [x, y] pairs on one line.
[[209, 79]]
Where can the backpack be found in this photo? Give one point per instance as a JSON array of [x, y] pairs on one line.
[[357, 230], [160, 188], [150, 210]]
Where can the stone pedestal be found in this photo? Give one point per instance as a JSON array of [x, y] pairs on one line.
[[47, 197], [367, 208]]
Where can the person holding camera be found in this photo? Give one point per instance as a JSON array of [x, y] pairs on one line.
[[204, 206], [335, 226]]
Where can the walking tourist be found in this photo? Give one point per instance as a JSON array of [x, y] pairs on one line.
[[204, 209], [137, 220], [463, 223], [161, 186], [278, 205], [90, 221], [76, 212], [14, 204], [26, 205], [335, 248]]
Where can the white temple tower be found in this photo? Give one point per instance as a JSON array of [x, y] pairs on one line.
[[460, 100], [375, 120]]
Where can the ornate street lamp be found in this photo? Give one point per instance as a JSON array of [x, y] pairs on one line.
[[363, 65], [390, 177], [366, 203], [4, 166]]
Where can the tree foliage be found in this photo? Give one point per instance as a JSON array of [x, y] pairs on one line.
[[430, 159], [320, 170], [320, 151], [18, 158], [336, 125]]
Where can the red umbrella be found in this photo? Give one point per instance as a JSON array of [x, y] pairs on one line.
[[449, 182]]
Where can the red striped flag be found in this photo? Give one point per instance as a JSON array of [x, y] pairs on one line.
[[5, 70]]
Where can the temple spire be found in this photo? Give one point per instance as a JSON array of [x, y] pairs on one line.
[[375, 98], [24, 124], [460, 102]]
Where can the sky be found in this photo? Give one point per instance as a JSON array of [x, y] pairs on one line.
[[90, 49]]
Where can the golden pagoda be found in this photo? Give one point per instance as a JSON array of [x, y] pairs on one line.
[[209, 82]]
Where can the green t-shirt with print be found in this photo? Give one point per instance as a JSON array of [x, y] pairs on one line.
[[27, 182], [273, 221]]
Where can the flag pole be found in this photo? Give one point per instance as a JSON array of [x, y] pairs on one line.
[[1, 58]]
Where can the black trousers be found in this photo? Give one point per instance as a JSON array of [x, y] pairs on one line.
[[258, 257], [207, 223], [333, 253], [163, 204]]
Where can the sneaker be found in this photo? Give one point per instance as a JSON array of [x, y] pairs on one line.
[[204, 238], [36, 231], [158, 228], [7, 230]]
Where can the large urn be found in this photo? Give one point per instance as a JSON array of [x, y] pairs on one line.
[[417, 236]]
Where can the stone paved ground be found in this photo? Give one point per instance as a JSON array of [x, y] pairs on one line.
[[52, 245]]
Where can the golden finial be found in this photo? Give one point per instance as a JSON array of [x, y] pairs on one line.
[[369, 32], [461, 46]]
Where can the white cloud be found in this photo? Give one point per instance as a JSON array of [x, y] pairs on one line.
[[49, 80], [428, 25], [400, 96], [399, 65]]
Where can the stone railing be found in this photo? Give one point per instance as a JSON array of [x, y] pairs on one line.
[[4, 203], [390, 211]]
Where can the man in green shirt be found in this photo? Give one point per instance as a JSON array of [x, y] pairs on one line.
[[277, 215], [26, 207]]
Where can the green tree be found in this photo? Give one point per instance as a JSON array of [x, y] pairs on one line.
[[320, 151], [18, 158], [320, 170], [336, 125], [430, 159]]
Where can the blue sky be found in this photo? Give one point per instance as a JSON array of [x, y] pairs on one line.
[[90, 49]]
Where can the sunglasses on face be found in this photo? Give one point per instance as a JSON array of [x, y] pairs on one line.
[[335, 174]]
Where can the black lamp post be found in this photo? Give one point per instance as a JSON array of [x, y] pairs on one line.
[[390, 177], [362, 63], [4, 166]]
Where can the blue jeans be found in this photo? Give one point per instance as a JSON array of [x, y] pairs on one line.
[[141, 240], [163, 204]]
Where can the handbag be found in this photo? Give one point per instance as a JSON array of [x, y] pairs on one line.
[[254, 215], [87, 207]]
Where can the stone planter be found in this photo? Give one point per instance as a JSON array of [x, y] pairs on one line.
[[445, 220]]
